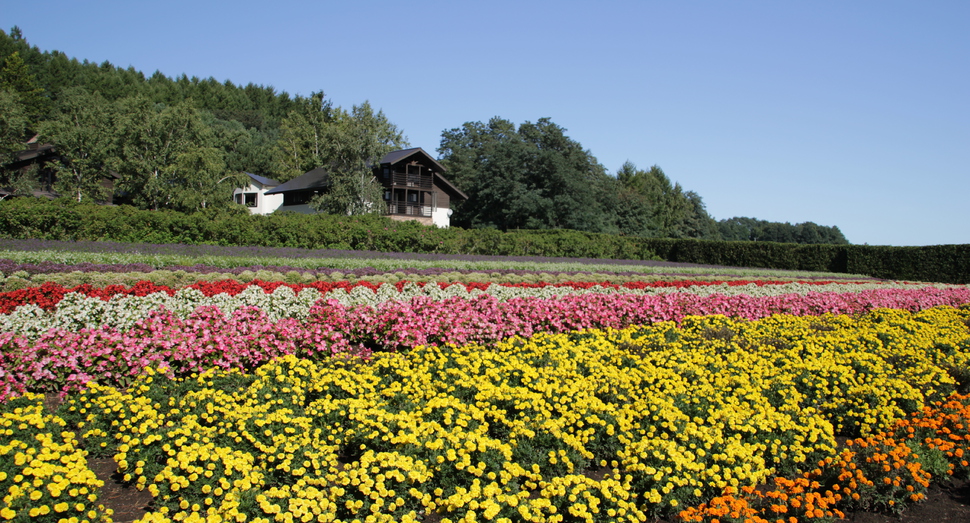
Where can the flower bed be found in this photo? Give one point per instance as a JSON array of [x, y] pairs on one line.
[[35, 311], [675, 416], [43, 473], [113, 345], [537, 401]]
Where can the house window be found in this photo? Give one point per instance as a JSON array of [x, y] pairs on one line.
[[250, 199], [298, 197], [239, 198]]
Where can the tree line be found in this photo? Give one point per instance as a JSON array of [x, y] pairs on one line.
[[184, 144], [533, 176]]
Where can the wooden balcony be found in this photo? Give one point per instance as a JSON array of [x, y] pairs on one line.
[[408, 209], [399, 179]]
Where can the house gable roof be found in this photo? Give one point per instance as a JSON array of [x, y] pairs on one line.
[[448, 187], [262, 180], [315, 179], [401, 155]]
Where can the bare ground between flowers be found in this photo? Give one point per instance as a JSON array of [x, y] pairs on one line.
[[944, 503]]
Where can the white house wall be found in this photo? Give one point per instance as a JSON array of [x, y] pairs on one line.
[[441, 217], [265, 203]]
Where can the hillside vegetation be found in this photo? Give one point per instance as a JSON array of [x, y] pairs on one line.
[[158, 142]]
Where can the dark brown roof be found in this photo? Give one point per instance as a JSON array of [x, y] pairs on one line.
[[394, 157], [315, 179], [444, 183], [262, 180]]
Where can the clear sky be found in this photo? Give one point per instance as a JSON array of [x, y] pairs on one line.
[[848, 113]]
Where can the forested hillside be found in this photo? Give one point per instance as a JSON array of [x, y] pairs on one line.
[[167, 143], [158, 142]]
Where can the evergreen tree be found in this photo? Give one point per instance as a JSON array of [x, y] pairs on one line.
[[15, 76]]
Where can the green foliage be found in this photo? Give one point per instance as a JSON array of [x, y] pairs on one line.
[[650, 205], [180, 143], [13, 126], [81, 128], [26, 218], [355, 141], [935, 263], [13, 131], [15, 76], [533, 177], [168, 158], [302, 140], [753, 229]]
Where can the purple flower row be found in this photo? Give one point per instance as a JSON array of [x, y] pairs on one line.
[[34, 245]]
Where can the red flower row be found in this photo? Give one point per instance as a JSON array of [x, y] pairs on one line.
[[48, 295]]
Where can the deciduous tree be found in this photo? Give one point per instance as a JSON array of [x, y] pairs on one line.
[[530, 177], [167, 155], [81, 129], [355, 142]]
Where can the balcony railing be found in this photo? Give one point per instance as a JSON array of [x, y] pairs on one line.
[[410, 210], [411, 180]]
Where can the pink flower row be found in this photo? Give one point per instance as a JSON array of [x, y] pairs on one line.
[[62, 360]]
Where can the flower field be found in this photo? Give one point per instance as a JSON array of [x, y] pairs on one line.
[[713, 398]]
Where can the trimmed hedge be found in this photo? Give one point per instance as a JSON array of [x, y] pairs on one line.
[[62, 219], [935, 263]]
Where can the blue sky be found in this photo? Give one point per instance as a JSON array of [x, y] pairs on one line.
[[855, 114]]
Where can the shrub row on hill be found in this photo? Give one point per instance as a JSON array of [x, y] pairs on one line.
[[65, 220]]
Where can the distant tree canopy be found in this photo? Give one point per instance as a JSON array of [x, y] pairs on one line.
[[753, 229], [536, 177], [650, 205]]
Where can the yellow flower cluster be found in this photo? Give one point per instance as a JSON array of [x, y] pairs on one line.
[[588, 426], [43, 474]]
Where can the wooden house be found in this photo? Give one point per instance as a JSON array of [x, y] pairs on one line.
[[414, 188], [42, 158]]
